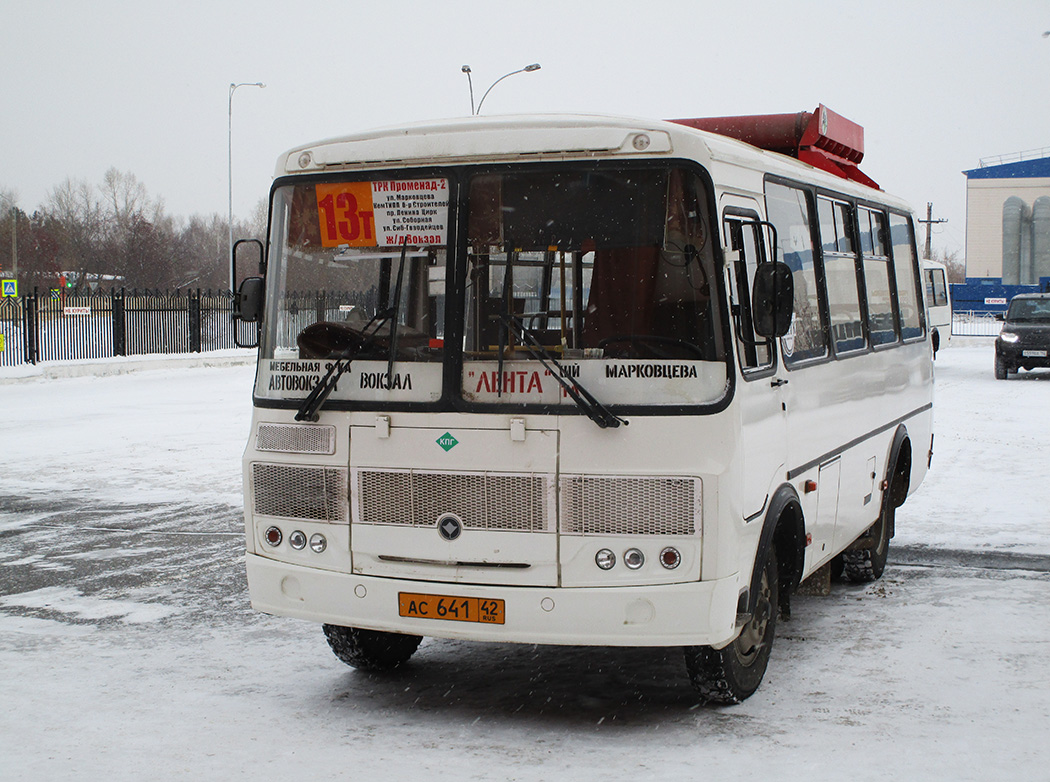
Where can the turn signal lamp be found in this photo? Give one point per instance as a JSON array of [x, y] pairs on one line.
[[274, 536], [670, 558]]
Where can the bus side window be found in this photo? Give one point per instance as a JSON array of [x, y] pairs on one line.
[[878, 283], [906, 267], [840, 273], [789, 209], [745, 237]]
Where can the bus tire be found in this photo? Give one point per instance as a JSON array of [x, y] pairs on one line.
[[370, 650], [867, 561], [733, 673]]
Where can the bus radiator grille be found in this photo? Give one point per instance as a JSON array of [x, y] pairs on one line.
[[295, 492], [629, 505], [489, 501], [294, 438]]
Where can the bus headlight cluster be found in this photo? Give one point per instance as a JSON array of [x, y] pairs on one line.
[[633, 558], [297, 539]]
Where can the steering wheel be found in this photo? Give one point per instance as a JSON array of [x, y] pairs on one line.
[[329, 339]]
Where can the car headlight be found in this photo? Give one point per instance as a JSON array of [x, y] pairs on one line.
[[1007, 336]]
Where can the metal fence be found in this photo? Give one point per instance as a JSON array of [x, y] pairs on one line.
[[60, 325], [968, 323]]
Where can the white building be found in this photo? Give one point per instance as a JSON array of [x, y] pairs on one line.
[[1008, 219]]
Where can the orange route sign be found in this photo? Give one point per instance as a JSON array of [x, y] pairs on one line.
[[383, 213]]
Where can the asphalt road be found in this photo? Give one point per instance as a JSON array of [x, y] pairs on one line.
[[107, 609]]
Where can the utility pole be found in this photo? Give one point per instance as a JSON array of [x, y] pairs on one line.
[[929, 221]]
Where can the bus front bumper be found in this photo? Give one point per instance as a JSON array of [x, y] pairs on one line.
[[690, 614]]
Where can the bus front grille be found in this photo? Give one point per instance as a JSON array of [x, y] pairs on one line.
[[497, 501], [291, 491], [295, 438], [629, 505], [489, 501]]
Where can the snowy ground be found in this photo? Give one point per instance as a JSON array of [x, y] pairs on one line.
[[128, 651]]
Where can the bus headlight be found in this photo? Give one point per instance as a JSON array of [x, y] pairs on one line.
[[297, 540], [605, 559], [633, 558], [318, 543]]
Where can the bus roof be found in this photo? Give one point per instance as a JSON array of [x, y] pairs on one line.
[[516, 138]]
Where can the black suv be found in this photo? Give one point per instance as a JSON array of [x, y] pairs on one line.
[[1025, 338]]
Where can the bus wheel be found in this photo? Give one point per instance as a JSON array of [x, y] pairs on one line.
[[733, 673], [865, 559], [370, 650]]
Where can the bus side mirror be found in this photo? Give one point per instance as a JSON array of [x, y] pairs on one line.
[[248, 305], [1000, 316], [772, 299]]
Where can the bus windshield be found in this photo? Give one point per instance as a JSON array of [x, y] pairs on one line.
[[357, 272], [608, 270], [600, 277]]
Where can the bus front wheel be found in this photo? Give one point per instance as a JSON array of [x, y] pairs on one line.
[[370, 650], [733, 673]]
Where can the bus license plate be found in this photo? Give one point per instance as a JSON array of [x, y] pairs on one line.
[[456, 609], [1033, 353]]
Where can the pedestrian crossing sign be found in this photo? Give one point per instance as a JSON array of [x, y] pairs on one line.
[[10, 287]]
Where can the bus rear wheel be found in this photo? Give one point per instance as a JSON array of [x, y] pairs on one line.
[[370, 650], [865, 560], [733, 673]]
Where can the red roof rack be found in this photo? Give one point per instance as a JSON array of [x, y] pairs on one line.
[[822, 138]]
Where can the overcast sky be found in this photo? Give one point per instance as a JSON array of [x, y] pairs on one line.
[[143, 86]]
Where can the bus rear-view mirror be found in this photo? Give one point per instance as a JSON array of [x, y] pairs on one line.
[[772, 299], [248, 305]]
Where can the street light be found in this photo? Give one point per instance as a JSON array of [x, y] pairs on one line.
[[466, 69], [233, 89], [470, 83]]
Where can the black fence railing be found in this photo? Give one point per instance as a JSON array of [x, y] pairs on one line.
[[61, 325]]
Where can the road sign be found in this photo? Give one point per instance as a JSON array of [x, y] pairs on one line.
[[10, 287]]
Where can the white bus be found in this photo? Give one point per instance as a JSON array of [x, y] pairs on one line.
[[577, 380], [938, 301]]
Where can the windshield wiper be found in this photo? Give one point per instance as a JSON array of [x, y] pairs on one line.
[[502, 342], [394, 308], [592, 408], [326, 385]]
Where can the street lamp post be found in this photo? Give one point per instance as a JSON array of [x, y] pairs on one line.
[[229, 142], [466, 69], [9, 202]]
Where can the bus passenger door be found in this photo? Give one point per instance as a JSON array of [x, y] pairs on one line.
[[761, 412]]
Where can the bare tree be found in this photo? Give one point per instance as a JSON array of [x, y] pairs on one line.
[[77, 217], [956, 265]]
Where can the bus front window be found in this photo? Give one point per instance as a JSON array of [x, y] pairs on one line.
[[610, 270], [357, 272]]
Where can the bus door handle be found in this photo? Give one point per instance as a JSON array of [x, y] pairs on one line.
[[777, 382]]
